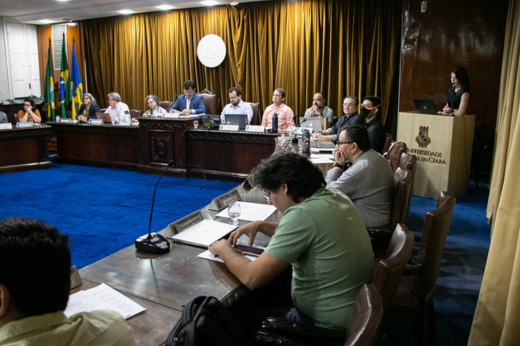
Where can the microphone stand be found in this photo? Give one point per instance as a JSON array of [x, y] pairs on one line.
[[154, 242]]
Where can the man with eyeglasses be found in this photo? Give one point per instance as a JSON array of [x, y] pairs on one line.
[[285, 113], [350, 110], [320, 233], [369, 182], [370, 110], [237, 106]]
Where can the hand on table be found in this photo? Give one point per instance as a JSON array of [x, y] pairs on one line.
[[251, 229]]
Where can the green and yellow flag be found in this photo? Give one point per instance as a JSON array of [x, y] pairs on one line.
[[48, 93], [64, 82]]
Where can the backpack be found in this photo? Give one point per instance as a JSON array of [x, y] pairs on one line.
[[205, 321]]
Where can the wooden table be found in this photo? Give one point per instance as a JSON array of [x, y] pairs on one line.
[[24, 149]]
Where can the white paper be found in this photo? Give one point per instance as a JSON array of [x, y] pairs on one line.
[[204, 233], [322, 158], [102, 297], [251, 211], [209, 256]]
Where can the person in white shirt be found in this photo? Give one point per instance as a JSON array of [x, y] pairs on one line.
[[118, 110], [237, 106]]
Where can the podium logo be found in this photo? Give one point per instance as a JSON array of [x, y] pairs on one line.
[[423, 140]]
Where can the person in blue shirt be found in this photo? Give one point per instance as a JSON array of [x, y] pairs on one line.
[[190, 102], [237, 106]]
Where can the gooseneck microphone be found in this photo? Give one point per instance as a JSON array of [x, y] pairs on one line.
[[154, 242]]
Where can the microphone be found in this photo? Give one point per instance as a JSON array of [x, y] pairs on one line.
[[304, 120], [154, 242]]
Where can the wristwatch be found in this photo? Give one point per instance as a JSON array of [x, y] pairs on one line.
[[339, 166]]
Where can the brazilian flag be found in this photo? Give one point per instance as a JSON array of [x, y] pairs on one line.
[[64, 83]]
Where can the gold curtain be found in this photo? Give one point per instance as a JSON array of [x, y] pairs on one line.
[[336, 47], [497, 317]]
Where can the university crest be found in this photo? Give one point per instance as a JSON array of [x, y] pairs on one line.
[[423, 140]]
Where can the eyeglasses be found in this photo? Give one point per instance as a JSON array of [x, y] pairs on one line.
[[267, 196], [338, 143]]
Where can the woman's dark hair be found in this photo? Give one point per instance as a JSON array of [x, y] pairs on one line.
[[462, 76], [33, 106], [302, 178]]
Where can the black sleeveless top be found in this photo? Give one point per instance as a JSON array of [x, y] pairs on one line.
[[455, 97]]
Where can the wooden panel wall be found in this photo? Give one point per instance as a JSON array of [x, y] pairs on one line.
[[454, 33]]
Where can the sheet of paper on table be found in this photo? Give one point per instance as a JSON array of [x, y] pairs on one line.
[[102, 297], [251, 211], [209, 256], [321, 158], [204, 233]]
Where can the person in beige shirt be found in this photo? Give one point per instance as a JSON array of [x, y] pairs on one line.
[[34, 291]]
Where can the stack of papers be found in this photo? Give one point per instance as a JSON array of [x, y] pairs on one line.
[[251, 211], [102, 297], [209, 256], [322, 158], [204, 233]]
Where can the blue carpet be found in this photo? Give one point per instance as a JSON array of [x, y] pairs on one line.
[[102, 210], [460, 275]]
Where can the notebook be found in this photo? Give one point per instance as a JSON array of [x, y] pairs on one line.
[[425, 106], [105, 116], [313, 123]]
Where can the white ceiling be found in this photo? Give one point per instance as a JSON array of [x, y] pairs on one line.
[[32, 11]]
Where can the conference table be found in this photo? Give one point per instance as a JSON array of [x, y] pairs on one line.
[[24, 149], [165, 283], [149, 146]]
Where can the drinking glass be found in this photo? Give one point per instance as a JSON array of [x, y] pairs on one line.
[[234, 212], [195, 123], [57, 119]]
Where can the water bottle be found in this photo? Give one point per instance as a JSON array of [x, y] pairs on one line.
[[275, 122], [306, 141]]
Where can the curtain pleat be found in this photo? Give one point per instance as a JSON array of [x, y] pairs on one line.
[[337, 47], [497, 318]]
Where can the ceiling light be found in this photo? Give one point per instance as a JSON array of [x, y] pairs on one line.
[[46, 21], [126, 11], [62, 0], [233, 3], [165, 7], [209, 3], [72, 23]]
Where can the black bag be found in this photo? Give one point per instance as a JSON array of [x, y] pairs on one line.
[[205, 321]]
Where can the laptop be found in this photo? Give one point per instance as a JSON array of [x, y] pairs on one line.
[[425, 106], [236, 119], [105, 116], [313, 123]]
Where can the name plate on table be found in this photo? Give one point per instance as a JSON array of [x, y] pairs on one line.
[[24, 124], [124, 123], [65, 120], [172, 115], [222, 202], [7, 126], [75, 279], [96, 122], [255, 128], [186, 222], [228, 127]]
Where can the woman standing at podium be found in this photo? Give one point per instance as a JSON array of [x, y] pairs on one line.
[[458, 96]]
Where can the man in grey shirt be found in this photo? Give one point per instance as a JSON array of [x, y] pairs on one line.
[[369, 182]]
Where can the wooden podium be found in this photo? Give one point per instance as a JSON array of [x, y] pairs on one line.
[[443, 147]]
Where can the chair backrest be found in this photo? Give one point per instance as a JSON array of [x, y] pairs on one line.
[[103, 110], [210, 101], [435, 231], [403, 180], [394, 154], [366, 318], [408, 161], [256, 113], [389, 270], [166, 104], [388, 143], [135, 113]]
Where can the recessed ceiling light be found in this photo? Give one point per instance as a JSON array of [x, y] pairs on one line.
[[233, 3], [165, 7], [126, 11], [209, 3], [62, 0], [46, 21], [72, 23]]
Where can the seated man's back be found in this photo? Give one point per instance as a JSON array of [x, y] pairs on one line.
[[325, 240]]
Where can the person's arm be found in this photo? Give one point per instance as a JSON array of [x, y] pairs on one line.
[[124, 114], [23, 116], [251, 229], [447, 110], [253, 274], [463, 105], [264, 119], [249, 112], [222, 115], [198, 107], [177, 105], [289, 119], [35, 116]]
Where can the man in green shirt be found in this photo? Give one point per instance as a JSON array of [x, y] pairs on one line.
[[34, 290], [321, 234]]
